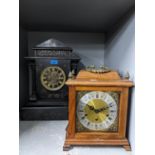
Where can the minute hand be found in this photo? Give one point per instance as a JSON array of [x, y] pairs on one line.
[[101, 109]]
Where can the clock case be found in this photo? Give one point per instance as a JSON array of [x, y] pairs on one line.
[[107, 82], [43, 104]]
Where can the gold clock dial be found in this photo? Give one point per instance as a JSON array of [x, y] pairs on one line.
[[53, 78], [97, 110]]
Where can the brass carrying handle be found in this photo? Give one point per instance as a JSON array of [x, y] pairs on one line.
[[101, 69]]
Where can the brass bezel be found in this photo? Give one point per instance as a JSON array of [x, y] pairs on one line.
[[53, 88]]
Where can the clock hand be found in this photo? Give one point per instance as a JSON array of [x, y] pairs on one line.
[[97, 110], [104, 108], [90, 107], [101, 109]]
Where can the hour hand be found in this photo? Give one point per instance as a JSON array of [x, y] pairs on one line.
[[90, 107]]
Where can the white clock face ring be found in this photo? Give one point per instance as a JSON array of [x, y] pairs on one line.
[[97, 110]]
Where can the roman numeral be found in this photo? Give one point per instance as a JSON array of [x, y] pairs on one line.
[[96, 126], [112, 110], [110, 105], [109, 118], [83, 117], [80, 110]]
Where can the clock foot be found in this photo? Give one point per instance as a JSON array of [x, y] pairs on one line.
[[66, 147], [127, 147]]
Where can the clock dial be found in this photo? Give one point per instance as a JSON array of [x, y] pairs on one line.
[[97, 110], [53, 78]]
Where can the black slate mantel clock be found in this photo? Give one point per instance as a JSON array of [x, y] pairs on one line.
[[48, 69]]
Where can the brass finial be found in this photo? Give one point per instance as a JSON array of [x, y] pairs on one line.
[[127, 75], [71, 74]]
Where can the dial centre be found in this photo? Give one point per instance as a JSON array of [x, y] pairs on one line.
[[96, 108]]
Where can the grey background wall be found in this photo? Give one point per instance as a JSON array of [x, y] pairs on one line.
[[119, 54], [89, 46]]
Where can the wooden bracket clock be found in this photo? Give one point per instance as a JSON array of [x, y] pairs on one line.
[[98, 106]]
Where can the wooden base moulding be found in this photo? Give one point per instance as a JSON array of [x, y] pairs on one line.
[[96, 142]]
